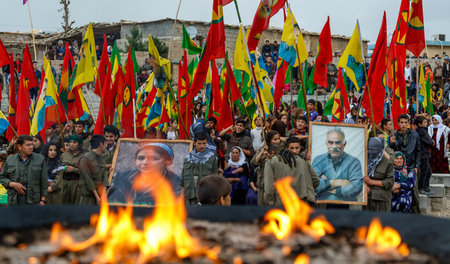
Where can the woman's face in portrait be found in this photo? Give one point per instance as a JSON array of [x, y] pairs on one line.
[[150, 160]]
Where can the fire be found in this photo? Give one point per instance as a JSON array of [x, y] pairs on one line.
[[164, 235], [382, 240], [283, 223], [302, 259]]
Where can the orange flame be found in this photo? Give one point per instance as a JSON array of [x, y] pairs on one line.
[[282, 223], [382, 240], [302, 259], [164, 234]]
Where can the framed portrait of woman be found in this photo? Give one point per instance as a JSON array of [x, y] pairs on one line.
[[147, 162]]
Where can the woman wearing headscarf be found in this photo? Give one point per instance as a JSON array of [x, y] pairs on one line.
[[237, 173], [150, 158], [439, 154], [402, 191], [380, 177]]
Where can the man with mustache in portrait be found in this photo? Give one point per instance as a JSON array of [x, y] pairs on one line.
[[340, 173]]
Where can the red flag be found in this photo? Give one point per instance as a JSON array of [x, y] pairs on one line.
[[107, 103], [396, 64], [68, 65], [415, 37], [376, 78], [214, 48], [74, 106], [103, 65], [265, 11], [324, 56], [118, 86], [183, 84], [4, 56], [12, 101], [27, 81], [279, 81], [226, 115], [184, 117], [234, 88], [129, 97], [341, 104]]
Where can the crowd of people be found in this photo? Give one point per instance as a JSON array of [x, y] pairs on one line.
[[246, 158]]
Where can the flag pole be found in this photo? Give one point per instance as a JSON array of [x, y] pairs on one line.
[[32, 32], [173, 30], [389, 95], [134, 117], [258, 90], [300, 72], [367, 86], [101, 96], [178, 106], [417, 84]]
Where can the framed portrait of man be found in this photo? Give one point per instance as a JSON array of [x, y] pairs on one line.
[[338, 155], [139, 165]]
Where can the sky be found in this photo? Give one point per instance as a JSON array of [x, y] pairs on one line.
[[310, 14]]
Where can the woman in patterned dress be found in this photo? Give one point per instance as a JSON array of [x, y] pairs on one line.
[[439, 154], [402, 191]]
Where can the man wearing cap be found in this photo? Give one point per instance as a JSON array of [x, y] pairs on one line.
[[93, 173], [69, 159]]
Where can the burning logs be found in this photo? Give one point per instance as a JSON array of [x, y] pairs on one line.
[[296, 235]]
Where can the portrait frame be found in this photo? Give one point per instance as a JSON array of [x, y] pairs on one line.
[[354, 135], [124, 158]]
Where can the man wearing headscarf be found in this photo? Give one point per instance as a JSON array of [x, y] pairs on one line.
[[198, 164], [380, 177]]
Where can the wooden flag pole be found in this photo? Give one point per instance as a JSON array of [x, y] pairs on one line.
[[173, 30], [258, 90], [178, 107], [32, 32], [370, 101], [101, 96], [418, 68]]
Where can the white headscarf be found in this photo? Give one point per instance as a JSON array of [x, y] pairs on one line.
[[440, 130], [241, 158]]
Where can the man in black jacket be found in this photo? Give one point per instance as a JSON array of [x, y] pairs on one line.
[[407, 141], [425, 144]]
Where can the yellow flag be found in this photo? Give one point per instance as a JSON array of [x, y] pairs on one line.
[[47, 98], [354, 50], [241, 58], [88, 59], [302, 51], [423, 88], [162, 62]]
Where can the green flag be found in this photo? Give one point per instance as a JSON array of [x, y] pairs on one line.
[[115, 60], [310, 83], [300, 98], [429, 105], [189, 44]]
